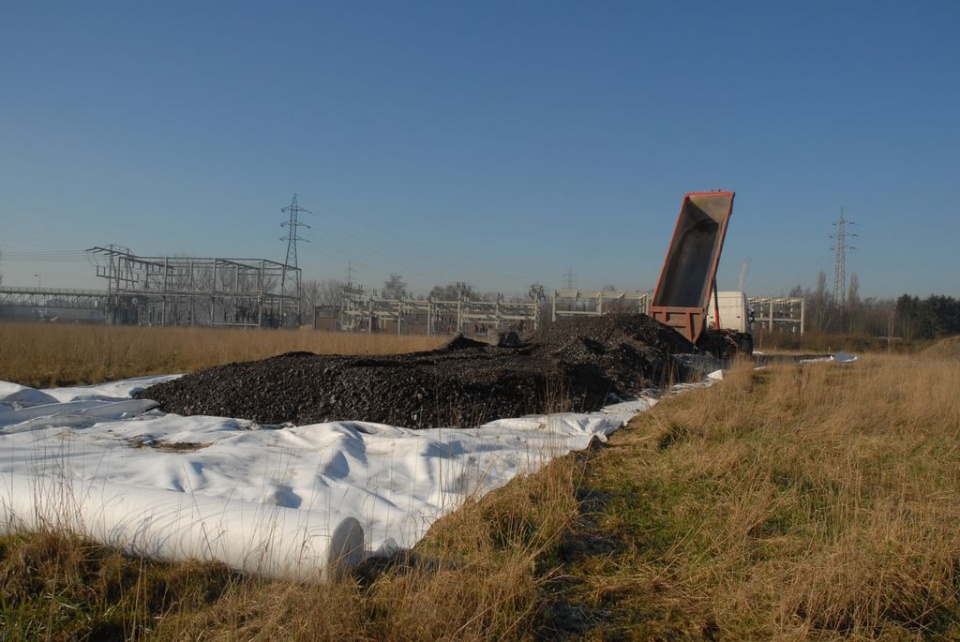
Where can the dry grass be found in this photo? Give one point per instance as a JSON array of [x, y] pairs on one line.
[[48, 355], [805, 502], [946, 349]]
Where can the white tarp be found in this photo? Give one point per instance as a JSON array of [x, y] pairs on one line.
[[285, 501]]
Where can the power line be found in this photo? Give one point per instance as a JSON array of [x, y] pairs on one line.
[[384, 248]]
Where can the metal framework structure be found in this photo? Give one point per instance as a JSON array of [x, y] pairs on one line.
[[215, 292], [840, 262], [52, 304], [572, 302], [290, 278], [786, 314], [360, 313]]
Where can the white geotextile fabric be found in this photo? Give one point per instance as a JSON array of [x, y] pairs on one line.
[[283, 501]]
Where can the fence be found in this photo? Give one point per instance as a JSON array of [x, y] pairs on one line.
[[360, 313], [568, 303]]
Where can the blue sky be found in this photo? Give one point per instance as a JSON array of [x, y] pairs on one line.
[[497, 143]]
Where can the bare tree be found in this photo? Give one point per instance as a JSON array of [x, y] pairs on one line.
[[854, 306], [536, 292], [331, 291], [820, 303], [309, 295], [394, 288], [455, 292]]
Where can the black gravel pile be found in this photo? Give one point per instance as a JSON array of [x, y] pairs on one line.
[[574, 365]]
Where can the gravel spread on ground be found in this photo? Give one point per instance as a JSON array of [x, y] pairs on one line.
[[578, 365]]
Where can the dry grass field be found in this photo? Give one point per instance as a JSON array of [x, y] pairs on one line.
[[49, 355], [800, 502], [813, 501]]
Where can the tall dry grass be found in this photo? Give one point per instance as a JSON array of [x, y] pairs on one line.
[[47, 355], [813, 501]]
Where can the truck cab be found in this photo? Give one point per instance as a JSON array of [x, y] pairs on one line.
[[734, 312]]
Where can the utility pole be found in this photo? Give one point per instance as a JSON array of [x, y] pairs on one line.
[[570, 279], [840, 263], [290, 284]]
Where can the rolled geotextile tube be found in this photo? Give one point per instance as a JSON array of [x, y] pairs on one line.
[[265, 540]]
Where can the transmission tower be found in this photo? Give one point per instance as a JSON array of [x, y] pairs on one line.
[[293, 223], [840, 264], [290, 284]]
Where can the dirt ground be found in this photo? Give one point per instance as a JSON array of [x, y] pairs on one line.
[[573, 365]]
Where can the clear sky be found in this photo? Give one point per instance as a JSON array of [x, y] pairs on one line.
[[493, 142]]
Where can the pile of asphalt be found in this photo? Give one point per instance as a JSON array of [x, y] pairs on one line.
[[573, 365]]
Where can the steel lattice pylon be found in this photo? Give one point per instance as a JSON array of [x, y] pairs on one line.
[[840, 262], [290, 281]]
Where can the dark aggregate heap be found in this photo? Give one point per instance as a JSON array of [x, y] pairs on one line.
[[574, 365]]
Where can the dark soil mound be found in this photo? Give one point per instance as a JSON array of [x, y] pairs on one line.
[[574, 365]]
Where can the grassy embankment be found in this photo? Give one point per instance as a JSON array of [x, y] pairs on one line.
[[798, 502]]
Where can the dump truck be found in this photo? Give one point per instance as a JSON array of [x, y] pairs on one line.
[[688, 279]]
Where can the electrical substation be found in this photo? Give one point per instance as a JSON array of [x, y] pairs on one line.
[[224, 292]]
